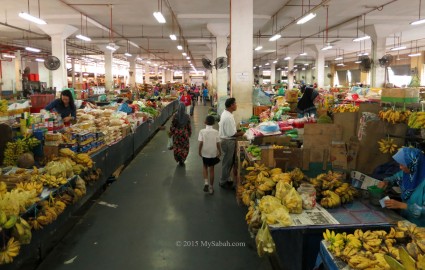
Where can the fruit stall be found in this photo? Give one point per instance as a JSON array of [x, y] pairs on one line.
[[40, 204], [301, 177]]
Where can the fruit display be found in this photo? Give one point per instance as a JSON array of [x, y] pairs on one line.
[[403, 247], [84, 160], [345, 108], [37, 186], [273, 211], [324, 119], [417, 120], [15, 202], [332, 191], [9, 251], [254, 150], [14, 150], [22, 231], [387, 146], [393, 116], [52, 181], [3, 105]]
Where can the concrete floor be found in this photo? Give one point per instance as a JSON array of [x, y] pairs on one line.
[[163, 220]]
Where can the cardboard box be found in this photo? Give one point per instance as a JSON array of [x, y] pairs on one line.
[[321, 135], [405, 95], [339, 155], [257, 110], [291, 95], [288, 158], [270, 140], [349, 122], [267, 157]]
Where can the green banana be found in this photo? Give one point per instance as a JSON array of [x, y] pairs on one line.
[[3, 218], [10, 223]]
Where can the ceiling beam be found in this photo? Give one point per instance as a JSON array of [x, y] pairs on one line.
[[217, 16]]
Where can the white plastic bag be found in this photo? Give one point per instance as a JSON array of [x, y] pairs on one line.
[[170, 143]]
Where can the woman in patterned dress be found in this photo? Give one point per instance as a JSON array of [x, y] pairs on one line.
[[181, 131]]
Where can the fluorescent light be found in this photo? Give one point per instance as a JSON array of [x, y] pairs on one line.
[[275, 61], [414, 54], [275, 37], [326, 66], [295, 66], [363, 54], [148, 62], [254, 67], [286, 67], [339, 58], [361, 38], [267, 64], [313, 68], [173, 37], [418, 22], [303, 54], [31, 49], [279, 69], [83, 37], [179, 47], [357, 62], [398, 48], [303, 69], [184, 54], [128, 54], [259, 47], [111, 47], [31, 18], [340, 64], [287, 58], [189, 62], [306, 64], [8, 56], [188, 57], [327, 48], [138, 58], [155, 65], [260, 66], [306, 18], [39, 59], [159, 17]]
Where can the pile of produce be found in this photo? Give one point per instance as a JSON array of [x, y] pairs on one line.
[[345, 108], [387, 146], [417, 120], [394, 116], [254, 150], [332, 191], [324, 119], [3, 105], [403, 247], [14, 151]]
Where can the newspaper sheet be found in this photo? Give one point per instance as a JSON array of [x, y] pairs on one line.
[[315, 216]]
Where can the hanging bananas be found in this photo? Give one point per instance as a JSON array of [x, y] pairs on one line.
[[393, 116], [387, 146], [417, 120], [345, 108]]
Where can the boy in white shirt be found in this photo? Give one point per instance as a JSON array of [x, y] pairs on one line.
[[209, 150]]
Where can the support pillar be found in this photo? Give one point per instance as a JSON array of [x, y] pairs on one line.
[[222, 77], [156, 74], [213, 90], [378, 72], [242, 19], [319, 72], [132, 72], [18, 70], [273, 73], [147, 74], [73, 73], [290, 73], [109, 79], [260, 75], [58, 34]]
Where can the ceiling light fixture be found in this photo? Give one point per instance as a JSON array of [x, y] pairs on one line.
[[267, 64], [173, 37], [361, 38], [275, 37], [419, 21], [83, 37], [111, 46], [259, 47], [187, 57], [340, 64], [128, 54], [138, 58], [399, 48], [31, 49], [179, 47], [31, 18], [260, 66], [306, 18], [184, 54], [306, 64], [357, 62], [303, 54], [159, 17], [328, 47], [148, 62], [39, 59], [287, 58], [8, 56], [326, 66], [155, 65], [339, 58], [275, 61], [303, 68]]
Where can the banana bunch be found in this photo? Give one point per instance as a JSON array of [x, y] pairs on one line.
[[3, 105], [345, 108], [417, 120], [52, 181], [387, 146], [37, 186], [66, 152], [22, 231], [12, 152], [346, 193], [275, 146], [10, 251], [297, 176], [78, 169], [85, 160], [245, 163], [330, 199], [7, 223], [251, 210], [363, 260], [393, 116], [3, 187], [336, 241]]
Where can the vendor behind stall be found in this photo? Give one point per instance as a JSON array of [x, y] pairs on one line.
[[64, 106], [410, 178], [305, 106]]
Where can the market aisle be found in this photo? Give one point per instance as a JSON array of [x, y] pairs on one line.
[[160, 206]]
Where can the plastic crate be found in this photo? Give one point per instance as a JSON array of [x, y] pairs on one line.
[[38, 102]]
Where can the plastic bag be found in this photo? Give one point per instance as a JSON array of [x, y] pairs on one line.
[[170, 143], [264, 241], [293, 202], [282, 188]]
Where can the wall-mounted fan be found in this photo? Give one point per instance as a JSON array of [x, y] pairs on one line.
[[207, 63], [219, 63], [386, 60], [52, 62], [365, 63], [329, 76]]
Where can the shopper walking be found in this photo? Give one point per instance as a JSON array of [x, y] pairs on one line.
[[228, 134], [411, 179], [192, 105], [209, 151], [186, 99], [205, 96], [181, 131], [305, 106]]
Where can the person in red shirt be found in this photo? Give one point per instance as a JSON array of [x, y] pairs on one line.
[[186, 99]]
